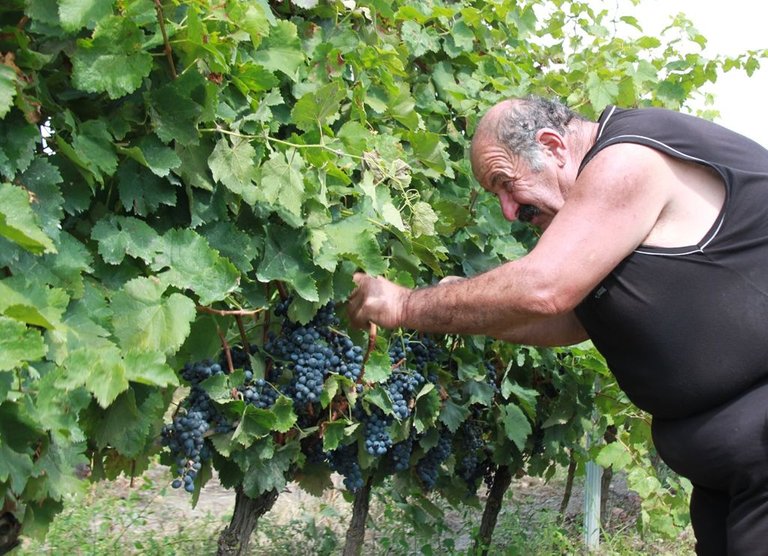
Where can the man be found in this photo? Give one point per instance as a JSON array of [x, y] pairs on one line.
[[655, 246]]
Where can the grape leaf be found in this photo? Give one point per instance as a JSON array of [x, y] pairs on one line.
[[75, 14], [285, 259], [141, 191], [15, 466], [265, 475], [18, 344], [333, 434], [232, 163], [601, 92], [281, 51], [453, 415], [18, 140], [18, 222], [420, 40], [353, 239], [317, 108], [100, 369], [125, 424], [7, 89], [119, 236], [190, 263], [32, 302], [285, 416], [113, 61], [614, 455], [515, 424], [149, 321], [93, 145], [176, 107], [254, 423], [282, 185], [423, 219]]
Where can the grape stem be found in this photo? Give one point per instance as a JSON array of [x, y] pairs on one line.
[[372, 330], [227, 351], [228, 312], [243, 335]]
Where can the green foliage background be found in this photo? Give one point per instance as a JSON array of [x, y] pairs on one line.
[[196, 153]]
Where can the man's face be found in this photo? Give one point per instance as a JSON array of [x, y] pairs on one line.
[[524, 194]]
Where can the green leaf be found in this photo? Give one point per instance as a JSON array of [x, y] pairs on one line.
[[601, 93], [463, 37], [232, 163], [427, 409], [18, 344], [125, 425], [515, 424], [265, 475], [150, 369], [14, 466], [453, 415], [176, 107], [113, 61], [18, 222], [334, 433], [7, 89], [190, 263], [32, 302], [142, 191], [147, 321], [282, 50], [75, 14], [285, 416], [423, 219], [93, 145], [100, 369], [614, 455], [285, 259], [317, 108], [255, 423], [352, 239], [378, 368], [18, 140], [419, 40], [155, 155], [281, 184], [119, 236]]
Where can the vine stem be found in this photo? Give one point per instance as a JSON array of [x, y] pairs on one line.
[[168, 50], [228, 312], [372, 330], [227, 352], [243, 335]]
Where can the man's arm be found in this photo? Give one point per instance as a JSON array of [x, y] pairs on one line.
[[609, 211]]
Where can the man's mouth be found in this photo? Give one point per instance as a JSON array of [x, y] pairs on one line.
[[528, 213]]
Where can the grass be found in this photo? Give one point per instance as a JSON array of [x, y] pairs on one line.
[[152, 519]]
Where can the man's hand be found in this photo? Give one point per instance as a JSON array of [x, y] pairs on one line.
[[377, 300]]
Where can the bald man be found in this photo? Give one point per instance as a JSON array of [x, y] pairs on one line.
[[655, 247]]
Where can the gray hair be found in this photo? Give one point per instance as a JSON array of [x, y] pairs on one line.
[[517, 127]]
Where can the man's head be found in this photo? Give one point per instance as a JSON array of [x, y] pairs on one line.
[[513, 151]]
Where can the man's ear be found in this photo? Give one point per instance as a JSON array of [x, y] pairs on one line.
[[552, 142]]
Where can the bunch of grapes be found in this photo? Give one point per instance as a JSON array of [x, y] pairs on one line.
[[376, 431], [402, 387], [429, 466], [401, 454], [185, 435], [474, 460], [311, 352], [344, 461]]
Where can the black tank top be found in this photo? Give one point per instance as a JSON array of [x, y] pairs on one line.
[[685, 329]]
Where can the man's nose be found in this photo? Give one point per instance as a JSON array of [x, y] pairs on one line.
[[509, 208]]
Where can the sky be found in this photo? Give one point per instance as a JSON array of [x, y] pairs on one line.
[[730, 27]]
